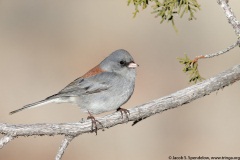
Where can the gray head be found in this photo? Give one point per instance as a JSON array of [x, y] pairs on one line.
[[120, 61]]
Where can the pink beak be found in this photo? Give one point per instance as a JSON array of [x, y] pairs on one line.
[[132, 65]]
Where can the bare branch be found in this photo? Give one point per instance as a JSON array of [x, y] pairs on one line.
[[63, 147], [235, 24], [230, 16], [217, 53], [4, 140], [191, 66], [137, 113], [223, 51]]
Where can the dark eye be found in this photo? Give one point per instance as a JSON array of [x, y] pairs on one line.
[[123, 63]]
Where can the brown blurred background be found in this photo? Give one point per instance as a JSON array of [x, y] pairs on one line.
[[44, 45]]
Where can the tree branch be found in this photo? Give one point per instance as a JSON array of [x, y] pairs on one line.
[[63, 147], [191, 66], [223, 51], [4, 140], [235, 24], [218, 53], [137, 113], [230, 16]]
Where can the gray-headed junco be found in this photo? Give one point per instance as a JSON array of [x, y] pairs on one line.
[[104, 88]]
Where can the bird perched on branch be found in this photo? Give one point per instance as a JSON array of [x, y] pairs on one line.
[[104, 88]]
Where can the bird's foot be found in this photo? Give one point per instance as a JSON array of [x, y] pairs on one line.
[[94, 123], [125, 111]]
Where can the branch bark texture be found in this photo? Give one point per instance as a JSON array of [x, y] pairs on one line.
[[230, 16], [63, 147], [223, 51], [4, 140]]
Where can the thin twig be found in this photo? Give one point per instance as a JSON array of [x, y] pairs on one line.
[[223, 51], [4, 140], [217, 53], [234, 23], [63, 146]]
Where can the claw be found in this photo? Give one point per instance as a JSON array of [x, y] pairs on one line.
[[94, 127], [125, 111]]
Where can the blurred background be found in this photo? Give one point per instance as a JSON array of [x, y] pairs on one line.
[[44, 45]]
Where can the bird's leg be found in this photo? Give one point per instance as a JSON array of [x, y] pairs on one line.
[[94, 122], [125, 111]]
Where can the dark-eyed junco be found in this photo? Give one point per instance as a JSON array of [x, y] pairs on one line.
[[104, 88]]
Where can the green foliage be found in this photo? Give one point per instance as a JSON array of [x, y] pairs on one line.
[[191, 68], [167, 9]]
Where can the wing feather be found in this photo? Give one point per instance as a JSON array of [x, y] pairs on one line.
[[91, 85]]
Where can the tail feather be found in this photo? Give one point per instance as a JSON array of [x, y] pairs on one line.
[[33, 105]]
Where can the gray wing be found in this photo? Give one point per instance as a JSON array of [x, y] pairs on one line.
[[84, 86], [80, 86]]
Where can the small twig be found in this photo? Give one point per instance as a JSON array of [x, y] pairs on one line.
[[4, 140], [223, 51], [197, 58], [217, 53], [63, 146]]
